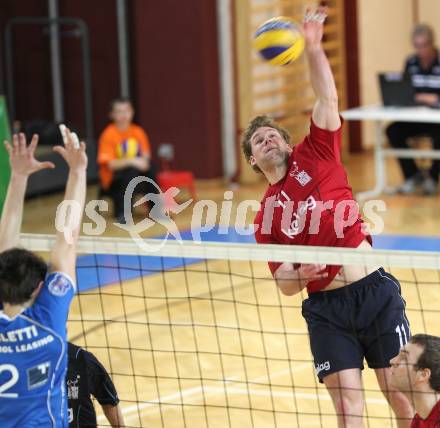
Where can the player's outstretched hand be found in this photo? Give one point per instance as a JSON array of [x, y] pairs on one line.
[[313, 25], [73, 152], [21, 156]]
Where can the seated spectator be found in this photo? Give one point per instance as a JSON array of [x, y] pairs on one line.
[[416, 373], [424, 69], [124, 153]]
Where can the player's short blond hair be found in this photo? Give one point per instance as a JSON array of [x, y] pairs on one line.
[[254, 125]]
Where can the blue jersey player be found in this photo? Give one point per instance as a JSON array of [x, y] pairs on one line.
[[35, 297]]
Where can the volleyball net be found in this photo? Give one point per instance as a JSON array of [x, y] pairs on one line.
[[197, 334]]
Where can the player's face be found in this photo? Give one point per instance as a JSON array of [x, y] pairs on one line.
[[404, 373], [423, 47], [268, 148], [122, 114]]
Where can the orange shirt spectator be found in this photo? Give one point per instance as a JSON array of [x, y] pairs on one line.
[[120, 144], [124, 155]]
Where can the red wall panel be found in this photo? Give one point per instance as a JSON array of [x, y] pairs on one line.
[[174, 71], [176, 80], [32, 69], [352, 73], [31, 59], [100, 17]]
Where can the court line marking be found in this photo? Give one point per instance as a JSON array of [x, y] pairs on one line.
[[209, 391], [138, 411], [103, 323], [176, 323], [199, 389]]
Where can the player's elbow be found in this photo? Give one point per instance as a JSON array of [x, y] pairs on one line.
[[286, 279], [288, 288]]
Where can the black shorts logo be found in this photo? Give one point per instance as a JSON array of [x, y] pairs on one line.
[[322, 367]]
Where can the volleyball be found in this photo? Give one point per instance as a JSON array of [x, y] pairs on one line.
[[279, 41], [128, 149]]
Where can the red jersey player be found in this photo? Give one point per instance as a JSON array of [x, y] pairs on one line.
[[416, 372], [352, 313]]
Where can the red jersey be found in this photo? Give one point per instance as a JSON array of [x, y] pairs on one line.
[[311, 204], [432, 421]]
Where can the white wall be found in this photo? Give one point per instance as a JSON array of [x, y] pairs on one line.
[[429, 13], [384, 43]]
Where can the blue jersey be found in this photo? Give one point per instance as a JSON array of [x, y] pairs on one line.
[[33, 359]]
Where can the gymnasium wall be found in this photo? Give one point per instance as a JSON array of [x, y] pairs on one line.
[[429, 11], [176, 80], [31, 60], [174, 71], [385, 41], [102, 26], [32, 69]]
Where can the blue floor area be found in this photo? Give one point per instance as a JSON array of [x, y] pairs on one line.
[[103, 269], [406, 242], [98, 269]]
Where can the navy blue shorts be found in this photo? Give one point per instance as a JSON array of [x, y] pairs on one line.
[[365, 319]]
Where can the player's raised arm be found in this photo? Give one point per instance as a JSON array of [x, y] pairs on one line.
[[63, 258], [23, 164], [325, 112]]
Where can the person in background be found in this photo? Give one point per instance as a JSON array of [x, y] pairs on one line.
[[424, 69], [86, 376], [124, 153], [416, 373]]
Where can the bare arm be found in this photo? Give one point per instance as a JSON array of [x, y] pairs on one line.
[[292, 281], [118, 164], [325, 112], [142, 163], [63, 257], [13, 213], [427, 99], [113, 415], [23, 164]]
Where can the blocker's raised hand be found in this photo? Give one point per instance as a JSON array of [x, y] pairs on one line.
[[72, 152], [21, 156]]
